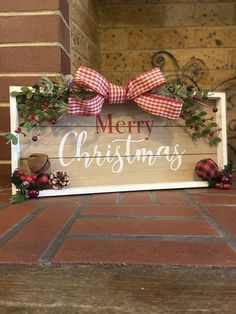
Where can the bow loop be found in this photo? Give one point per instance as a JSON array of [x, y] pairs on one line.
[[145, 82], [89, 78], [137, 90]]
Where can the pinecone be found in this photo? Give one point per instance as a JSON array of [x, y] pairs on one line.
[[59, 180]]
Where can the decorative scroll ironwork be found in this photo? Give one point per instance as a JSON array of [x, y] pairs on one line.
[[194, 72]]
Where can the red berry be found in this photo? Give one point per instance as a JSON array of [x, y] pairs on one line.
[[219, 185], [22, 178], [35, 138], [31, 117], [53, 121], [225, 179], [44, 106], [190, 127], [194, 97], [18, 130], [29, 179], [33, 176], [226, 186], [33, 193], [18, 173], [215, 109]]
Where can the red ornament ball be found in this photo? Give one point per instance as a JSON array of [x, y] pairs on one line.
[[33, 193], [42, 179], [206, 169], [18, 173]]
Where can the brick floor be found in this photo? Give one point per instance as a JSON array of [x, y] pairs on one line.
[[172, 227]]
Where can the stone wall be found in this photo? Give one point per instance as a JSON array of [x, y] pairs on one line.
[[85, 48], [34, 38], [197, 39]]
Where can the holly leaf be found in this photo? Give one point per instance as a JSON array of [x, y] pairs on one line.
[[12, 138], [17, 198]]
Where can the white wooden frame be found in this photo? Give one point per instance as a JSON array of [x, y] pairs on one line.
[[221, 158]]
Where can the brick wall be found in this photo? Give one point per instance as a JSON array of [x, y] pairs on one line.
[[85, 48], [132, 31], [34, 37]]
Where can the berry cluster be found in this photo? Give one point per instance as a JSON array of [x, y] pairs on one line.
[[28, 186], [208, 170], [223, 181]]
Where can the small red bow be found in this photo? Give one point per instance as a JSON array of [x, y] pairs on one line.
[[137, 90]]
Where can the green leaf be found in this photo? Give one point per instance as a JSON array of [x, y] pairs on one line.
[[21, 106], [27, 126], [38, 98], [11, 137], [14, 93], [215, 141], [19, 197], [29, 95], [228, 168], [211, 125], [25, 89]]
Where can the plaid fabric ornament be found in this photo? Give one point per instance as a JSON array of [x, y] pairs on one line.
[[206, 169]]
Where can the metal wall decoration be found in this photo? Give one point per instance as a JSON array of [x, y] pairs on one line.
[[192, 73]]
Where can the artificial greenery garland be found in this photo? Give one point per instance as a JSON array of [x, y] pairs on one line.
[[48, 102]]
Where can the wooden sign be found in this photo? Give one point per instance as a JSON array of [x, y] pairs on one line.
[[122, 149]]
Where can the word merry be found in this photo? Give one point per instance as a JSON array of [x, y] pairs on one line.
[[121, 126], [119, 152]]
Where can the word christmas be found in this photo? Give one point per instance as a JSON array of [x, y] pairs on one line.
[[118, 152]]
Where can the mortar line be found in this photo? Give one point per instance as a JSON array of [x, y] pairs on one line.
[[21, 224], [229, 239], [145, 237], [154, 198], [3, 207], [142, 218], [120, 198], [59, 238]]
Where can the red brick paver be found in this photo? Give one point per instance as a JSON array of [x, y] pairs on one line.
[[12, 215], [172, 197], [29, 244], [145, 252], [215, 199], [143, 227], [175, 227], [137, 198], [141, 210], [225, 215]]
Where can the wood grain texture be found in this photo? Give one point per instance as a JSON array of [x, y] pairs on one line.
[[113, 290], [124, 145]]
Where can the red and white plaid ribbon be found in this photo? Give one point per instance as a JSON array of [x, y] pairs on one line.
[[137, 90]]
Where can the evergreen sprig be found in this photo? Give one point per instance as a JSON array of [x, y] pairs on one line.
[[193, 114], [48, 102]]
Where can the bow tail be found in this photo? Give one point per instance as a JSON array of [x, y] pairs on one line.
[[160, 105], [85, 107]]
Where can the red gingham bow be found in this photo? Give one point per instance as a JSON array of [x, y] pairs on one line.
[[136, 90]]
